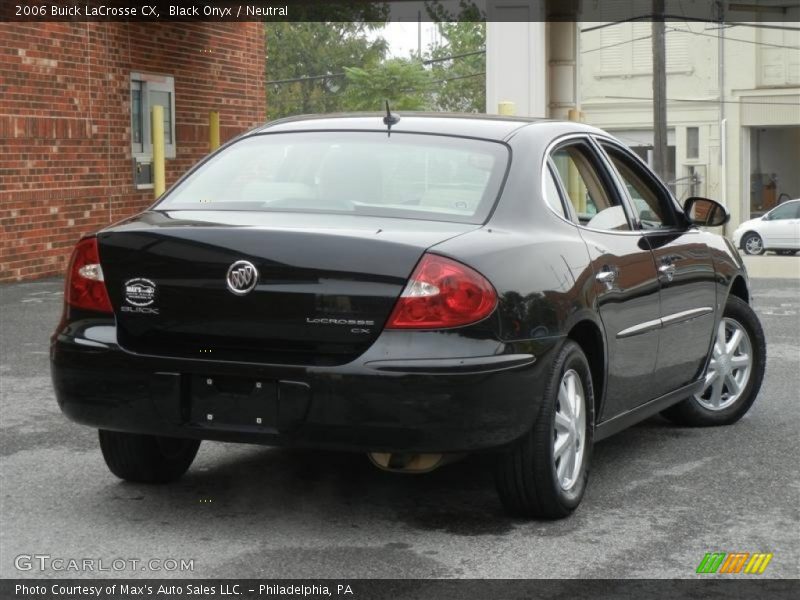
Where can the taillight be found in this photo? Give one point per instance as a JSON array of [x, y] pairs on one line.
[[85, 287], [442, 293]]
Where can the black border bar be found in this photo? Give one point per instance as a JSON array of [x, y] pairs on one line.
[[710, 587], [782, 13]]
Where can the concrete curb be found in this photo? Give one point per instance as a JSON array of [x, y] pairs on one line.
[[773, 266]]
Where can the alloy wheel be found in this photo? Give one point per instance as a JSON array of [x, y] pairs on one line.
[[730, 366], [569, 430], [753, 245]]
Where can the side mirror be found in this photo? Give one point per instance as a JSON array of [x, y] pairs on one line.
[[705, 212]]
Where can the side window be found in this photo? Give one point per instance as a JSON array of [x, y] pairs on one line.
[[551, 194], [786, 211], [580, 177], [648, 201], [149, 90]]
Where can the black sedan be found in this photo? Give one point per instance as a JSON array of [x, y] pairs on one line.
[[412, 287]]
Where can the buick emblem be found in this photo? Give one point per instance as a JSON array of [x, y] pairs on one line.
[[242, 277]]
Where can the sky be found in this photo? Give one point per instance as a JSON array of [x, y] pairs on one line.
[[403, 37]]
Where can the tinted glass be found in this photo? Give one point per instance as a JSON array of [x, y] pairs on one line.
[[651, 208], [136, 116], [785, 211], [370, 173], [551, 194], [164, 99], [579, 175]]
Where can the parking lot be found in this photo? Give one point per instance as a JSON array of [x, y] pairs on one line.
[[659, 497]]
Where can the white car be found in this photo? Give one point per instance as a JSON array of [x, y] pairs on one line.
[[778, 230]]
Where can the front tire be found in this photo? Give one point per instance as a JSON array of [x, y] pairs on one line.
[[752, 244], [147, 458], [544, 473], [734, 375]]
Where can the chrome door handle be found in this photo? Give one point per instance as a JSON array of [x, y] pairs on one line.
[[668, 270], [606, 276]]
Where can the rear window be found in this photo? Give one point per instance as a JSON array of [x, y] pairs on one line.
[[415, 176]]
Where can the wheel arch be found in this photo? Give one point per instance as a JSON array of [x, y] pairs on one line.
[[749, 232], [739, 289], [588, 335]]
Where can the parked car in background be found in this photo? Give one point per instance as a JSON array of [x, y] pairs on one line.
[[414, 288], [777, 230]]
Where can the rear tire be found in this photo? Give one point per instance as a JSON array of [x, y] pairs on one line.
[[535, 476], [147, 458], [752, 244], [732, 405]]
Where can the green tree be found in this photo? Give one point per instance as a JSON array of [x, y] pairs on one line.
[[403, 82], [296, 51], [461, 81]]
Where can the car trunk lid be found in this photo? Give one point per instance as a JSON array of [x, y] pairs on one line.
[[324, 289]]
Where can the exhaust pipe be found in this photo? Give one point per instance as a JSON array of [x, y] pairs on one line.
[[400, 462]]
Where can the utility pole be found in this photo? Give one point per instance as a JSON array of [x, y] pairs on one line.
[[659, 91]]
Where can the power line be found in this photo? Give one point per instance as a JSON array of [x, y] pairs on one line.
[[424, 62], [307, 78], [711, 35], [649, 19], [704, 100], [462, 55], [727, 39], [459, 77]]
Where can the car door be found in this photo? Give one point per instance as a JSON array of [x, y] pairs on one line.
[[625, 286], [685, 268], [780, 228]]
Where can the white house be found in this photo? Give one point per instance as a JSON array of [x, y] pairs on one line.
[[741, 146]]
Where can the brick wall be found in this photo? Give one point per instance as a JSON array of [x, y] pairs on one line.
[[65, 125]]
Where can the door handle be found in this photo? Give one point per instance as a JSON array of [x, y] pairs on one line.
[[607, 277], [668, 270]]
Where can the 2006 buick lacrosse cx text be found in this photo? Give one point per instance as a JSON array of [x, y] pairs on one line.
[[414, 287]]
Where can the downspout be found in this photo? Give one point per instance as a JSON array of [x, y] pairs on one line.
[[723, 133]]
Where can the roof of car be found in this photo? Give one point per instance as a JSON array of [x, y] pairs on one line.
[[462, 124]]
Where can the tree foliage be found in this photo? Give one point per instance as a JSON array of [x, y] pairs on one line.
[[404, 83], [461, 81], [337, 66], [300, 50]]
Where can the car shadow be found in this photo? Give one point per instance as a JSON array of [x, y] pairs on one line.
[[264, 483]]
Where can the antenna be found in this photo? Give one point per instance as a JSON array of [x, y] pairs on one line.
[[390, 119]]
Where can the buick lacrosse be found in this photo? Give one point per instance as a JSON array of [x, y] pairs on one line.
[[413, 287]]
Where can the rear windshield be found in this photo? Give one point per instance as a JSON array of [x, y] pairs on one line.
[[414, 176]]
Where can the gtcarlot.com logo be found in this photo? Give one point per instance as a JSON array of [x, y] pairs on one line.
[[46, 562], [734, 562]]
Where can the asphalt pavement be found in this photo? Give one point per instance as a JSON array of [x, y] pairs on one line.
[[659, 496]]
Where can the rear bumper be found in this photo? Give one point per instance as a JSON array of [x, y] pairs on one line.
[[371, 404]]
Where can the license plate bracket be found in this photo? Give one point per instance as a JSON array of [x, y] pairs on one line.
[[233, 402]]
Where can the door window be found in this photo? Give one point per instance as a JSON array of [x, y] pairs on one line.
[[785, 211], [581, 179], [551, 194], [649, 201]]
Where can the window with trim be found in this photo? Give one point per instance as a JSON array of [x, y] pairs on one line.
[[648, 201], [148, 90], [583, 184], [626, 49], [692, 142], [551, 194], [790, 210]]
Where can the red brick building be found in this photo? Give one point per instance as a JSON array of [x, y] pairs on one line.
[[74, 122]]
